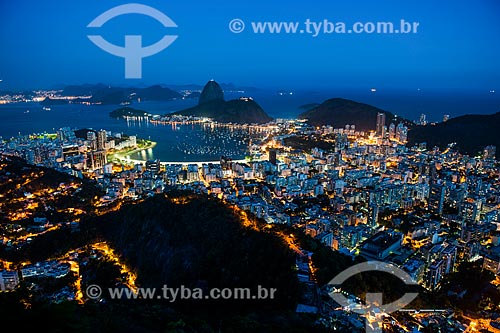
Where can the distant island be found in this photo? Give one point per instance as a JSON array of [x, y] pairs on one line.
[[102, 94], [339, 112], [127, 112], [53, 101], [211, 104]]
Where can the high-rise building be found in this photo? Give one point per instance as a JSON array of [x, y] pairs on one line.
[[101, 139], [350, 237], [8, 280], [449, 256], [373, 212], [380, 129], [133, 141], [436, 198], [192, 174], [69, 150], [272, 156], [92, 139], [225, 163], [96, 160], [422, 120], [60, 135], [91, 135], [492, 263], [153, 166], [489, 152], [401, 133], [435, 274], [392, 131], [108, 168], [471, 208]]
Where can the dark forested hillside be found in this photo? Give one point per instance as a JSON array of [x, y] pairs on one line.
[[194, 240], [471, 133]]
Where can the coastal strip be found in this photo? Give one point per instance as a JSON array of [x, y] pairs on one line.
[[122, 154]]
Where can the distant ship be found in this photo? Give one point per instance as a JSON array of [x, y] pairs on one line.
[[46, 108]]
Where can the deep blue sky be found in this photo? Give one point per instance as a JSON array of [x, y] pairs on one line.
[[44, 43]]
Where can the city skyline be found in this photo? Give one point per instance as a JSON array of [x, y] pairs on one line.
[[432, 215]]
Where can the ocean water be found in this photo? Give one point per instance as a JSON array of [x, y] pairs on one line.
[[194, 143]]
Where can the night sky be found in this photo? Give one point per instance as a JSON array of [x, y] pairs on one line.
[[44, 44]]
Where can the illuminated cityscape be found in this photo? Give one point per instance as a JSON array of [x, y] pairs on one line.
[[425, 210], [250, 167]]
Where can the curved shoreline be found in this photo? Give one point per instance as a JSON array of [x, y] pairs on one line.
[[124, 157], [121, 155]]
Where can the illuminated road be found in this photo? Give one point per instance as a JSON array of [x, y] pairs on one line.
[[31, 235], [110, 254], [75, 267]]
